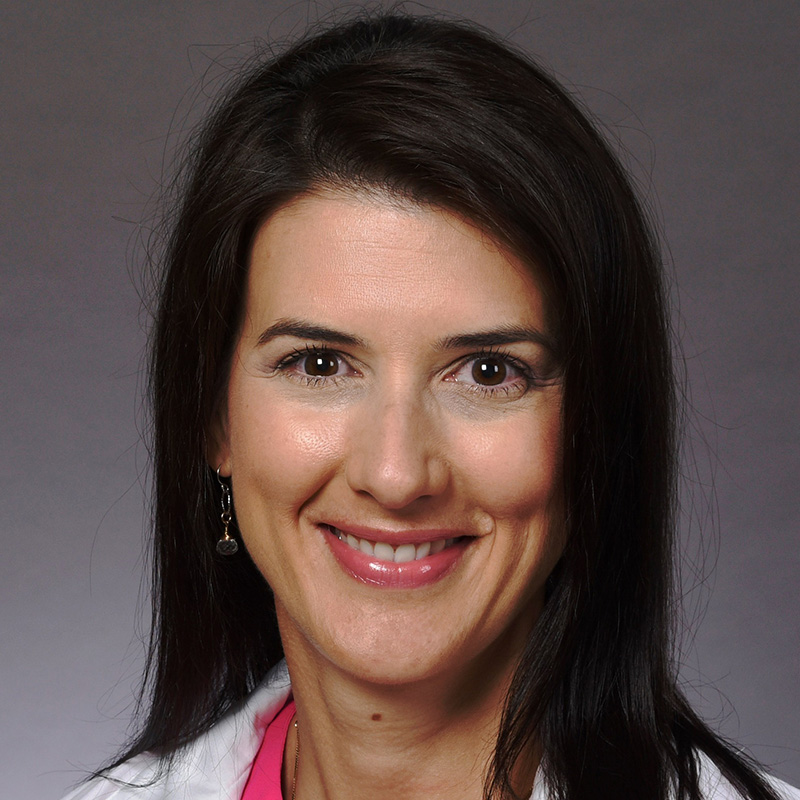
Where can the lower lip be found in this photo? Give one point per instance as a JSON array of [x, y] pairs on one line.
[[408, 575]]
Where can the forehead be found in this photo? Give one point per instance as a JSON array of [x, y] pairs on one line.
[[366, 258]]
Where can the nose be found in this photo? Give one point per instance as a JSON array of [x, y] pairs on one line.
[[396, 452]]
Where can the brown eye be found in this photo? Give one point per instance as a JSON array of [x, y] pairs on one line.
[[489, 371], [320, 365]]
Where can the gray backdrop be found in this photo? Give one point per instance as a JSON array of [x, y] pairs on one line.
[[703, 96]]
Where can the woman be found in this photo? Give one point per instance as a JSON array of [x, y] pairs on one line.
[[414, 425]]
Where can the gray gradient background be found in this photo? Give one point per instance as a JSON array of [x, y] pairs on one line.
[[703, 96]]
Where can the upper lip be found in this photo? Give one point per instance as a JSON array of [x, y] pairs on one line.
[[397, 537]]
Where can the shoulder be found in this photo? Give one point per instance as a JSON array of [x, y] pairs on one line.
[[712, 785], [715, 787], [785, 791], [216, 765], [135, 778]]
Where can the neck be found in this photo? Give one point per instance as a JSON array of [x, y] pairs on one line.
[[431, 738]]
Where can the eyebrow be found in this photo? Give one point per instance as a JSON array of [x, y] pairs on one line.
[[301, 329], [506, 334]]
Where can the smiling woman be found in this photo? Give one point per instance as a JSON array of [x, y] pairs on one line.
[[413, 332], [405, 459]]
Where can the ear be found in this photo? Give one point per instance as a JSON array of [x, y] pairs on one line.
[[218, 452]]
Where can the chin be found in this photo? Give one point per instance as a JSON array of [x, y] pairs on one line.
[[397, 650]]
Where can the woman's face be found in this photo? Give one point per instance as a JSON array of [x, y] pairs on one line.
[[392, 429]]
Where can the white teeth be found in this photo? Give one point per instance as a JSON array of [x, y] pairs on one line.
[[365, 546], [404, 553], [401, 554], [437, 546], [385, 552]]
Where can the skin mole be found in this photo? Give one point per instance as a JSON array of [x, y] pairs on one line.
[[377, 717]]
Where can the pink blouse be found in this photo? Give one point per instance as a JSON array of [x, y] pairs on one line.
[[264, 782]]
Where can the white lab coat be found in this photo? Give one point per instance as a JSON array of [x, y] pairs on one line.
[[216, 765]]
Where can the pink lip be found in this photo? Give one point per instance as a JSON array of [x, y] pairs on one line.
[[408, 575]]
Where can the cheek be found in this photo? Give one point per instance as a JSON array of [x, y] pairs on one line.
[[280, 457], [280, 453], [515, 469]]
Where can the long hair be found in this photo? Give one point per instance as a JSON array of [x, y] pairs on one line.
[[444, 113]]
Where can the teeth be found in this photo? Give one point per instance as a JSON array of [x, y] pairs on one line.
[[402, 554], [385, 552], [437, 546], [365, 546]]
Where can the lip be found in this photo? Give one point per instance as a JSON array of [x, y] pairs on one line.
[[407, 575]]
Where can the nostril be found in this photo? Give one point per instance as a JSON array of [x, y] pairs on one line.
[[393, 457]]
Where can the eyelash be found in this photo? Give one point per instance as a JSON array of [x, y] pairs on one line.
[[525, 374], [297, 355]]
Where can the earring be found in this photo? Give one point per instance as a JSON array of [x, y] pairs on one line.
[[227, 545]]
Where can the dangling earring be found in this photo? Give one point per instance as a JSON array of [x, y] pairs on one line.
[[227, 545]]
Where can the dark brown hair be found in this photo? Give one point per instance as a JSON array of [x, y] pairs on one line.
[[443, 113]]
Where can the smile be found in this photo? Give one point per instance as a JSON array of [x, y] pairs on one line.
[[400, 554], [402, 565]]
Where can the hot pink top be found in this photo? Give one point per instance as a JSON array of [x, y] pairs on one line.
[[264, 782]]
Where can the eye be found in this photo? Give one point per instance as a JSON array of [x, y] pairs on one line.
[[315, 366], [491, 373], [320, 365], [489, 370]]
